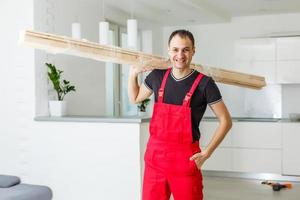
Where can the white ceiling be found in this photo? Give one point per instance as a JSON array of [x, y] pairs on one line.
[[186, 12]]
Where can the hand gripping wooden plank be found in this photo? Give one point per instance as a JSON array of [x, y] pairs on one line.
[[65, 45]]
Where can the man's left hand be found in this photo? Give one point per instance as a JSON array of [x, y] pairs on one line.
[[200, 158]]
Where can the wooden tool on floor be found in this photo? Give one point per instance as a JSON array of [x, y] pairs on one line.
[[65, 45], [277, 186]]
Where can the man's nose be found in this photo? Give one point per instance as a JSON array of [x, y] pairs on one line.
[[180, 54]]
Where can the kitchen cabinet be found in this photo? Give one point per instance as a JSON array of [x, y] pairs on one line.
[[256, 147], [255, 49], [221, 158], [288, 60], [256, 56], [260, 68], [290, 148], [256, 160], [277, 59], [207, 129], [288, 71], [256, 135], [249, 147], [287, 48]]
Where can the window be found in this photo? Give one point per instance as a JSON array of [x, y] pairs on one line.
[[117, 102]]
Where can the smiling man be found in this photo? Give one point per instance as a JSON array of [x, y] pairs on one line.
[[173, 158]]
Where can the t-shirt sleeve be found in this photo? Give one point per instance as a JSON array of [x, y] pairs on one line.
[[148, 82], [212, 92]]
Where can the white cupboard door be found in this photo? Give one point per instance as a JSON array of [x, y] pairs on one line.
[[256, 160], [288, 71], [220, 160], [208, 129], [256, 49], [288, 48], [257, 135], [291, 148], [256, 56], [266, 69]]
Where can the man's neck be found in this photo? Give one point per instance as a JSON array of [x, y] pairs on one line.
[[180, 73]]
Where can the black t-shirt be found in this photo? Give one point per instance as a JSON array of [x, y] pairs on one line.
[[207, 92]]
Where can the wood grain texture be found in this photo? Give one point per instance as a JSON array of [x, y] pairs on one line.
[[57, 44]]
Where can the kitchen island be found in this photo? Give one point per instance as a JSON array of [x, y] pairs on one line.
[[87, 157]]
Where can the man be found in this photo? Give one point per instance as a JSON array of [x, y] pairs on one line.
[[173, 158]]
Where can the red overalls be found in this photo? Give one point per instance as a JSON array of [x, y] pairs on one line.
[[167, 165]]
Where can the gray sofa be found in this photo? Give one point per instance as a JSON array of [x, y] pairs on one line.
[[11, 188]]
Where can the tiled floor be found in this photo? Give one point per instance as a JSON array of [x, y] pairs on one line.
[[216, 188]]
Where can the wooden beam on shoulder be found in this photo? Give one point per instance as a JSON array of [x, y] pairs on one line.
[[57, 44]]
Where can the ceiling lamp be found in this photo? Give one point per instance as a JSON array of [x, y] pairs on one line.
[[76, 30], [76, 27], [132, 33], [103, 32], [132, 30], [103, 28]]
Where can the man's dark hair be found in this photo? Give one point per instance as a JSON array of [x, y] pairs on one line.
[[183, 34]]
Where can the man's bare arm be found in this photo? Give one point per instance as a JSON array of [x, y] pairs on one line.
[[225, 123], [137, 93]]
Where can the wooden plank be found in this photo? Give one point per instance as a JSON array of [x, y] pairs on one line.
[[65, 45]]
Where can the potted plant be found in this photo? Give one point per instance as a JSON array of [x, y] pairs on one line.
[[58, 107], [142, 107]]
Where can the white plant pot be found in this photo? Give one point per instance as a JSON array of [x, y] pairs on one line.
[[142, 114], [58, 108]]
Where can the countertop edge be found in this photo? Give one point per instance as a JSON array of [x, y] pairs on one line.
[[137, 119], [92, 119]]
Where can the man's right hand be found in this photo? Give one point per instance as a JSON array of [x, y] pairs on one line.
[[135, 70], [149, 65], [135, 92]]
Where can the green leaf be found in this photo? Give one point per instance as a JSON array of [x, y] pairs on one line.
[[142, 105], [66, 82], [54, 76]]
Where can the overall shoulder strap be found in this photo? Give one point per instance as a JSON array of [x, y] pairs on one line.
[[162, 87], [188, 96]]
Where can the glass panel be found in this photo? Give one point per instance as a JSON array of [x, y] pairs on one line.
[[111, 78], [127, 109]]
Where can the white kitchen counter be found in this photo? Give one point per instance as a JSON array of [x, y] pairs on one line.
[[255, 147], [80, 160]]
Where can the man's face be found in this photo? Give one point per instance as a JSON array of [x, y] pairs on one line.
[[181, 52]]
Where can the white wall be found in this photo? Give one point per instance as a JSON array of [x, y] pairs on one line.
[[215, 46], [87, 75], [16, 84]]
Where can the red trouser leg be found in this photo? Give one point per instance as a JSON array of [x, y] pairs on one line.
[[186, 187], [155, 185]]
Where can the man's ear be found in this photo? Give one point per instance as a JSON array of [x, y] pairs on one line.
[[169, 51], [194, 50]]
